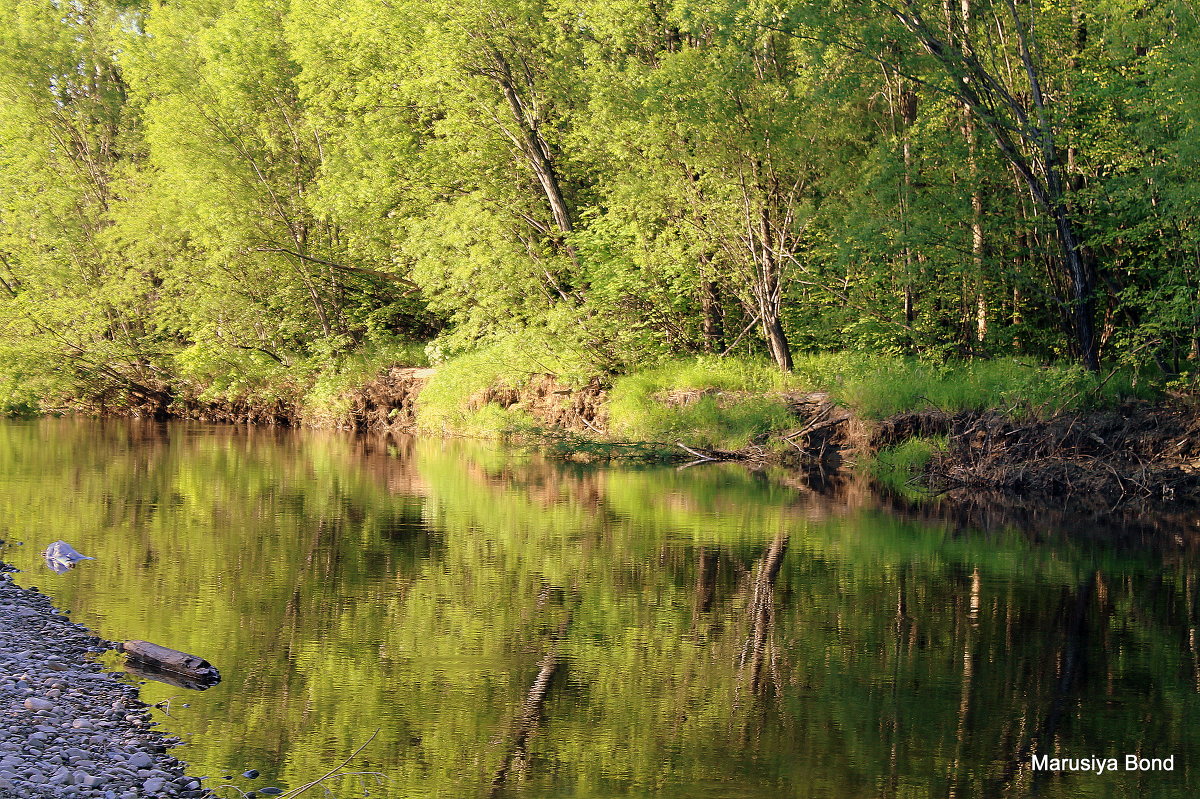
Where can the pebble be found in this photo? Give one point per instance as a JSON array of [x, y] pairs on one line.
[[140, 760], [70, 729]]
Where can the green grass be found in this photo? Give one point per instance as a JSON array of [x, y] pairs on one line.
[[740, 400], [896, 467], [443, 406], [740, 409], [746, 403], [876, 386]]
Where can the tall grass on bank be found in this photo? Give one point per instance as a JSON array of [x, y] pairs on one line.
[[877, 386], [740, 399], [896, 467], [444, 405], [333, 382]]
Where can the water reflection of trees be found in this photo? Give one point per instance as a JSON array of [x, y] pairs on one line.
[[515, 626]]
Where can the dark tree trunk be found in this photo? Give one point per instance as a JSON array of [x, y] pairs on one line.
[[777, 343], [1026, 140], [712, 322]]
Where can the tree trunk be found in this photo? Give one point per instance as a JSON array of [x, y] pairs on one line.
[[908, 116], [769, 294], [1013, 129], [534, 147], [777, 342], [713, 326], [1081, 288]]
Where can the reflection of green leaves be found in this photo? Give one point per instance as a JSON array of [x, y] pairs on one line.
[[342, 588]]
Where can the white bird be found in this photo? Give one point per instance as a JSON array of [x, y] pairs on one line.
[[61, 556]]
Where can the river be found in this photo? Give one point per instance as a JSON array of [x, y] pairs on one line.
[[506, 626]]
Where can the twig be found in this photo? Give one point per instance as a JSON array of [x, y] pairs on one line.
[[332, 772], [164, 705], [691, 451], [815, 428], [591, 426]]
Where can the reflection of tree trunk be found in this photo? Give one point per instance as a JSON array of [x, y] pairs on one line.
[[1069, 663], [968, 673], [762, 611], [1190, 587], [1072, 656], [899, 629], [531, 710], [706, 580]]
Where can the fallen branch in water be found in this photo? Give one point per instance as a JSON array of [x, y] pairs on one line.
[[531, 709], [690, 451], [335, 772]]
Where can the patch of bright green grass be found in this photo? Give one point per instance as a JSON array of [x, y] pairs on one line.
[[444, 403], [896, 467], [740, 399], [739, 409], [876, 386]]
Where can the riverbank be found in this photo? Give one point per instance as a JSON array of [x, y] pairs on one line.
[[70, 729], [990, 426], [995, 425]]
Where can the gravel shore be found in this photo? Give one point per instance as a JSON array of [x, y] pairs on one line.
[[70, 729]]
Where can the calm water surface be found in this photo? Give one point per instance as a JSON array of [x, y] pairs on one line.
[[510, 627]]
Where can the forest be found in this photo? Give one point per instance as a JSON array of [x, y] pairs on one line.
[[218, 198]]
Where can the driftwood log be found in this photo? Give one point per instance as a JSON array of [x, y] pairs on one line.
[[160, 658]]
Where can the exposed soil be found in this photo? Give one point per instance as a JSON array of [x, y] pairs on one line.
[[1137, 453], [552, 404], [389, 402], [276, 412]]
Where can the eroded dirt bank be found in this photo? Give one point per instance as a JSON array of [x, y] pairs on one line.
[[1139, 451]]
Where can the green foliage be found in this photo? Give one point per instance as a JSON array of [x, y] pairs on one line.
[[328, 398], [709, 421], [897, 467], [201, 199], [728, 402], [704, 372], [17, 399], [453, 401], [723, 403]]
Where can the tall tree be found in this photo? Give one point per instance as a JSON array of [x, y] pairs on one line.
[[1021, 119]]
